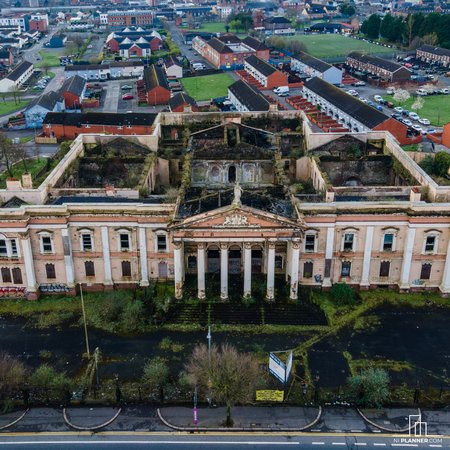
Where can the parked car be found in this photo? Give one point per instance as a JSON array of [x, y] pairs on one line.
[[390, 91], [378, 98], [422, 92], [380, 108], [389, 104], [445, 91], [407, 122], [417, 128], [127, 87], [353, 92], [424, 121], [359, 83], [396, 116], [127, 97], [414, 116], [405, 112]]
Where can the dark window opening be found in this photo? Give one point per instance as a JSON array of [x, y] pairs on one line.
[[308, 269]]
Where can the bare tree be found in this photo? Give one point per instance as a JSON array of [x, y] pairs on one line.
[[227, 375], [13, 373], [45, 66], [11, 153]]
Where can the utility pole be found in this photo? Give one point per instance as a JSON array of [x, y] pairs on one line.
[[209, 365], [84, 321]]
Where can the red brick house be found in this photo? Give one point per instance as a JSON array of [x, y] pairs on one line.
[[70, 125], [155, 89], [116, 40], [228, 51], [38, 22], [182, 102], [265, 73], [73, 90], [6, 57]]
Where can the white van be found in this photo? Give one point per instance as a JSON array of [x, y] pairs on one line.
[[198, 66], [421, 92], [281, 90]]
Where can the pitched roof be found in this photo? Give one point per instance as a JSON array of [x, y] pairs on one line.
[[46, 101], [181, 99], [219, 46], [229, 38], [155, 76], [278, 20], [254, 43], [19, 71], [312, 61], [360, 111], [249, 96], [76, 67], [99, 118], [134, 63], [260, 65], [435, 50], [75, 85], [171, 61], [391, 66]]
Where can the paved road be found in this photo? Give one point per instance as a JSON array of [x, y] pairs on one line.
[[166, 441]]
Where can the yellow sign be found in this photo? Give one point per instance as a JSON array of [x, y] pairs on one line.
[[270, 396]]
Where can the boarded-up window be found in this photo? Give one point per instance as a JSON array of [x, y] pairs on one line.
[[307, 269], [51, 272], [126, 269], [384, 268], [17, 275], [89, 268], [6, 275], [425, 273]]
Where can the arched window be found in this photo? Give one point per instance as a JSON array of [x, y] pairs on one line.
[[17, 275]]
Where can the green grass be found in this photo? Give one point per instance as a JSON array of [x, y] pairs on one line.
[[34, 166], [207, 87], [10, 106], [436, 108], [50, 58], [334, 45]]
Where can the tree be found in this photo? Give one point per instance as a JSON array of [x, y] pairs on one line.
[[45, 66], [11, 153], [418, 104], [343, 294], [296, 47], [347, 9], [401, 95], [371, 26], [441, 164], [229, 376], [369, 388], [156, 375], [13, 373]]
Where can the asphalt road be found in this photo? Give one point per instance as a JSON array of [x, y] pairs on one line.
[[168, 441]]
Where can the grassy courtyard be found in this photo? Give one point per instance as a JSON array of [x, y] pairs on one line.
[[50, 58], [335, 45], [436, 108], [34, 166], [207, 87], [9, 106]]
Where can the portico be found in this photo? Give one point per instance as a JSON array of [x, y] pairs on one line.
[[237, 240]]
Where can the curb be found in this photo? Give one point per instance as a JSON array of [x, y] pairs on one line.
[[239, 429], [95, 428], [4, 427], [389, 430]]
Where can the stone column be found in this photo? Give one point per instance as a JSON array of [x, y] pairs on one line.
[[68, 260], [224, 271], [201, 256], [247, 269], [407, 258], [328, 257], [106, 256], [270, 270], [445, 285], [365, 282], [178, 263], [288, 260], [143, 256], [295, 257], [27, 253]]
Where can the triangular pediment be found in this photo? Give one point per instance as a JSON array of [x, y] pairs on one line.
[[236, 217]]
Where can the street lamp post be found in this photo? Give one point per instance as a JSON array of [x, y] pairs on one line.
[[209, 365], [84, 321]]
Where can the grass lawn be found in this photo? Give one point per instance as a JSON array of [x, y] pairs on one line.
[[34, 166], [50, 57], [9, 106], [334, 45], [436, 108], [208, 86]]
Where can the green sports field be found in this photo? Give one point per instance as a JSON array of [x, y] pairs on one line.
[[208, 86], [334, 45]]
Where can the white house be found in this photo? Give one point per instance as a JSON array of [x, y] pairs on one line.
[[173, 67], [314, 67], [17, 77], [38, 108]]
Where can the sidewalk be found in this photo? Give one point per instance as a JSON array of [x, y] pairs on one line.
[[277, 418]]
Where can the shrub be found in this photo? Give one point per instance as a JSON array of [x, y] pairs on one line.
[[343, 294], [133, 317], [156, 373], [370, 388], [112, 307]]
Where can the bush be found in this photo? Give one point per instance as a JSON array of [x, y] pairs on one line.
[[112, 307], [46, 377], [342, 294], [156, 373], [133, 316], [370, 388]]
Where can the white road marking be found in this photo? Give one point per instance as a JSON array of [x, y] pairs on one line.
[[318, 443], [379, 444], [360, 443], [338, 443], [196, 443], [404, 445], [376, 431], [435, 445], [317, 430], [356, 431]]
